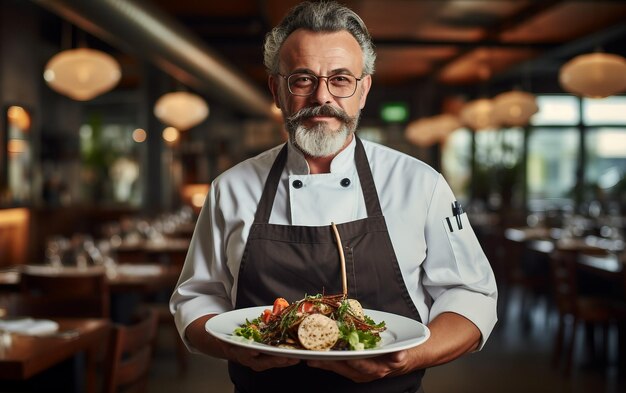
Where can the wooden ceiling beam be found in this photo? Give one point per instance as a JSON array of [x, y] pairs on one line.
[[492, 34]]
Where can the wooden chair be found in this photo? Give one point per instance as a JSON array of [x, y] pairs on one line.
[[129, 354], [588, 309], [525, 267], [166, 320], [65, 294], [131, 255]]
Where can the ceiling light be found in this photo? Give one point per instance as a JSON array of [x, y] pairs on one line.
[[139, 135], [594, 75], [82, 73], [444, 124], [194, 194], [170, 135], [430, 130], [181, 109], [514, 108], [419, 133], [478, 114], [18, 117]]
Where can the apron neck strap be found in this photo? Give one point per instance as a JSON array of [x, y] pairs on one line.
[[372, 204], [368, 187], [264, 209]]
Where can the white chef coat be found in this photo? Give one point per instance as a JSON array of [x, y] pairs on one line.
[[444, 270]]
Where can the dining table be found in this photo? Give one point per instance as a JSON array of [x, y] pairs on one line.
[[601, 253], [24, 356], [608, 264], [130, 285], [166, 250], [142, 278]]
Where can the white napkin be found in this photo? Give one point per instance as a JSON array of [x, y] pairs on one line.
[[138, 270], [29, 326]]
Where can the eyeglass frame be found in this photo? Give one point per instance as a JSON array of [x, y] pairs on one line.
[[317, 83]]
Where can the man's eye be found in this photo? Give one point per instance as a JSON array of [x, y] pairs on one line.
[[340, 80], [301, 80]]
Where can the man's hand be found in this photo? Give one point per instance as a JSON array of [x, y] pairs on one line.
[[451, 335], [254, 359], [204, 342], [367, 370]]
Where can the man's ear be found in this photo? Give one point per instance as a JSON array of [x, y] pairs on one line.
[[272, 82], [366, 84]]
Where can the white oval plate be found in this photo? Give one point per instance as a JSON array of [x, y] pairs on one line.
[[401, 333]]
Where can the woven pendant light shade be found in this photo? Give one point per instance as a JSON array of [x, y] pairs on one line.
[[82, 74], [181, 109], [594, 75], [514, 108]]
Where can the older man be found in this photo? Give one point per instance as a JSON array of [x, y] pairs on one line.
[[265, 229]]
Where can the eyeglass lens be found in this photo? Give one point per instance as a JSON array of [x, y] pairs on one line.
[[341, 85]]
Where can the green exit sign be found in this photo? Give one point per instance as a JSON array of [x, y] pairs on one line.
[[394, 112]]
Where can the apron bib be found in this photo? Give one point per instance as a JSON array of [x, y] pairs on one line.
[[293, 261]]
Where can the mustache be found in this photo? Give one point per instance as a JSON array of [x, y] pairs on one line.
[[322, 110]]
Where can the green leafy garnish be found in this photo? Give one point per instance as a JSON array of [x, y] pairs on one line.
[[358, 339], [249, 330]]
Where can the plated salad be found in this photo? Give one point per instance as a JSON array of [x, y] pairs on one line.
[[318, 323]]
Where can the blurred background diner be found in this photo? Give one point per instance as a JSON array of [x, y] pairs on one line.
[[117, 115]]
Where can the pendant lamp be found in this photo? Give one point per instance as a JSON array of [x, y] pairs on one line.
[[181, 109], [478, 114], [594, 75], [430, 130], [82, 73], [514, 108], [419, 133], [444, 124]]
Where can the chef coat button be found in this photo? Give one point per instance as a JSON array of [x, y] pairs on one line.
[[345, 182], [297, 184]]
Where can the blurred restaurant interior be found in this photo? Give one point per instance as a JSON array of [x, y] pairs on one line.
[[118, 114]]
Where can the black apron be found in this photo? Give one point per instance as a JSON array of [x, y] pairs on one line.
[[294, 261]]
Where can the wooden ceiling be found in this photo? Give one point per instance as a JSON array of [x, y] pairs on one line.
[[454, 42]]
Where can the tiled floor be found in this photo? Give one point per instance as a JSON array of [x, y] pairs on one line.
[[515, 359]]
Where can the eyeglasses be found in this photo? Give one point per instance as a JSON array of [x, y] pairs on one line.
[[303, 84]]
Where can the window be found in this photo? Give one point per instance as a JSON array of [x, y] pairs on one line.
[[498, 158], [607, 111], [554, 151], [110, 165], [551, 164], [556, 110], [456, 162], [605, 169]]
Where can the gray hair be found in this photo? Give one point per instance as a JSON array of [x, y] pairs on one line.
[[325, 16]]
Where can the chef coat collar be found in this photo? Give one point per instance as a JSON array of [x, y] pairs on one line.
[[343, 162]]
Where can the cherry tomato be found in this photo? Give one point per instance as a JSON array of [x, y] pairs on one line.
[[267, 314], [279, 305], [306, 307]]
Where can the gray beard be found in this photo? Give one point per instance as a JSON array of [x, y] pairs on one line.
[[320, 140]]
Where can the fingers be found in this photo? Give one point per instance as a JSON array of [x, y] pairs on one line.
[[356, 370], [257, 360], [365, 370]]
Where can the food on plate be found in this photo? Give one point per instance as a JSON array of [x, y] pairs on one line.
[[317, 332], [317, 323]]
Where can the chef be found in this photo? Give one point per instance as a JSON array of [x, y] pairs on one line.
[[265, 230]]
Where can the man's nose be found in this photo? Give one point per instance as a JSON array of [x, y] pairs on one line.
[[322, 94]]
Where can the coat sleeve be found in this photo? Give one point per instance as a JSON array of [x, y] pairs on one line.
[[457, 274], [205, 282]]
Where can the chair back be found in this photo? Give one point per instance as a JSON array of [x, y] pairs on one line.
[[129, 354], [67, 293], [564, 280]]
